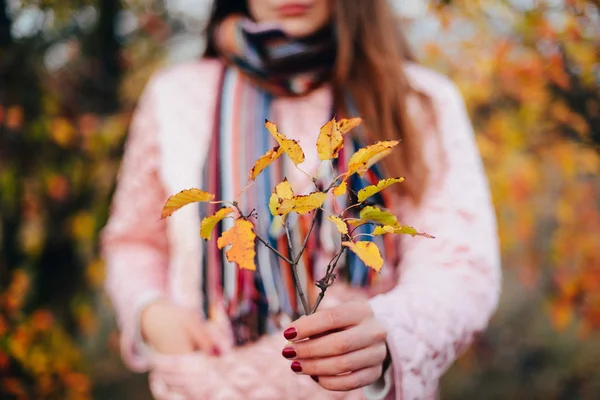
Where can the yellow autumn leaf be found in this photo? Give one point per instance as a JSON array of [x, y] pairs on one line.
[[209, 223], [369, 191], [339, 224], [362, 160], [402, 230], [301, 204], [290, 146], [331, 137], [264, 161], [184, 198], [340, 189], [241, 238], [345, 125], [283, 190], [368, 252], [330, 141], [376, 215]]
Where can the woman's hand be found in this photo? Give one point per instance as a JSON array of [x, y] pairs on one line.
[[345, 349], [171, 329]]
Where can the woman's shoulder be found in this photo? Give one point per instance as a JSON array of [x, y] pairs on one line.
[[200, 76], [431, 83]]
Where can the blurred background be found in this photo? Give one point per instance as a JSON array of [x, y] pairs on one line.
[[70, 74]]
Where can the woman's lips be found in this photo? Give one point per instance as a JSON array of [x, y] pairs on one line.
[[293, 10]]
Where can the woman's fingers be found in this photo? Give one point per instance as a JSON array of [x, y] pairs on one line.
[[334, 344], [354, 380], [338, 317], [346, 363], [201, 337]]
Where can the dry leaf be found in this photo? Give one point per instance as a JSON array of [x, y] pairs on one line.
[[209, 223], [345, 125], [264, 161], [340, 189], [330, 141], [241, 238], [283, 190], [331, 137], [368, 252], [339, 224], [376, 215], [184, 198], [369, 191], [301, 204], [362, 160], [291, 147], [402, 230]]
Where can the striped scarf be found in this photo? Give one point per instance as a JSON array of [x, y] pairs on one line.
[[262, 302]]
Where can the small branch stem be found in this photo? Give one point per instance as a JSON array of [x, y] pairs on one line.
[[362, 234], [274, 250], [328, 279], [289, 243], [312, 225], [294, 266]]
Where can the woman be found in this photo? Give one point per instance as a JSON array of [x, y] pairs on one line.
[[208, 331]]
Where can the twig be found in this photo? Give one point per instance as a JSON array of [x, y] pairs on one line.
[[334, 181], [294, 266], [350, 207], [363, 234], [327, 280], [273, 249], [312, 178], [312, 225]]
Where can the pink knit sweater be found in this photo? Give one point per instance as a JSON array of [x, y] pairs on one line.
[[444, 292]]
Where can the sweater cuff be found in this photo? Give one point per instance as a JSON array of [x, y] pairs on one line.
[[379, 389]]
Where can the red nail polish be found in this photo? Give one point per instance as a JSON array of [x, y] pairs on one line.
[[315, 378], [290, 333], [289, 352], [296, 367]]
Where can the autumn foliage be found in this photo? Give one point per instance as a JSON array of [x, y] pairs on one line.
[[241, 237]]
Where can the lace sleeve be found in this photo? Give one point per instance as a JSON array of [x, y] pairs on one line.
[[134, 242], [449, 286]]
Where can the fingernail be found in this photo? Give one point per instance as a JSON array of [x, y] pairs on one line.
[[215, 351], [296, 367], [315, 378], [289, 352], [290, 333]]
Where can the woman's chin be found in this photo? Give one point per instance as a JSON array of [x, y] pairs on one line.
[[297, 27]]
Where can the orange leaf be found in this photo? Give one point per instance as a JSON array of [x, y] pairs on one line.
[[345, 125], [184, 198], [241, 238], [340, 189], [209, 223], [331, 140], [339, 224], [367, 156], [368, 252], [291, 147], [264, 161]]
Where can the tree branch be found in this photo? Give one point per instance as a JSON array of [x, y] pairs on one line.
[[294, 266], [312, 225], [328, 279], [274, 250]]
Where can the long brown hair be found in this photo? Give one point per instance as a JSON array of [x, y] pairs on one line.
[[371, 51]]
